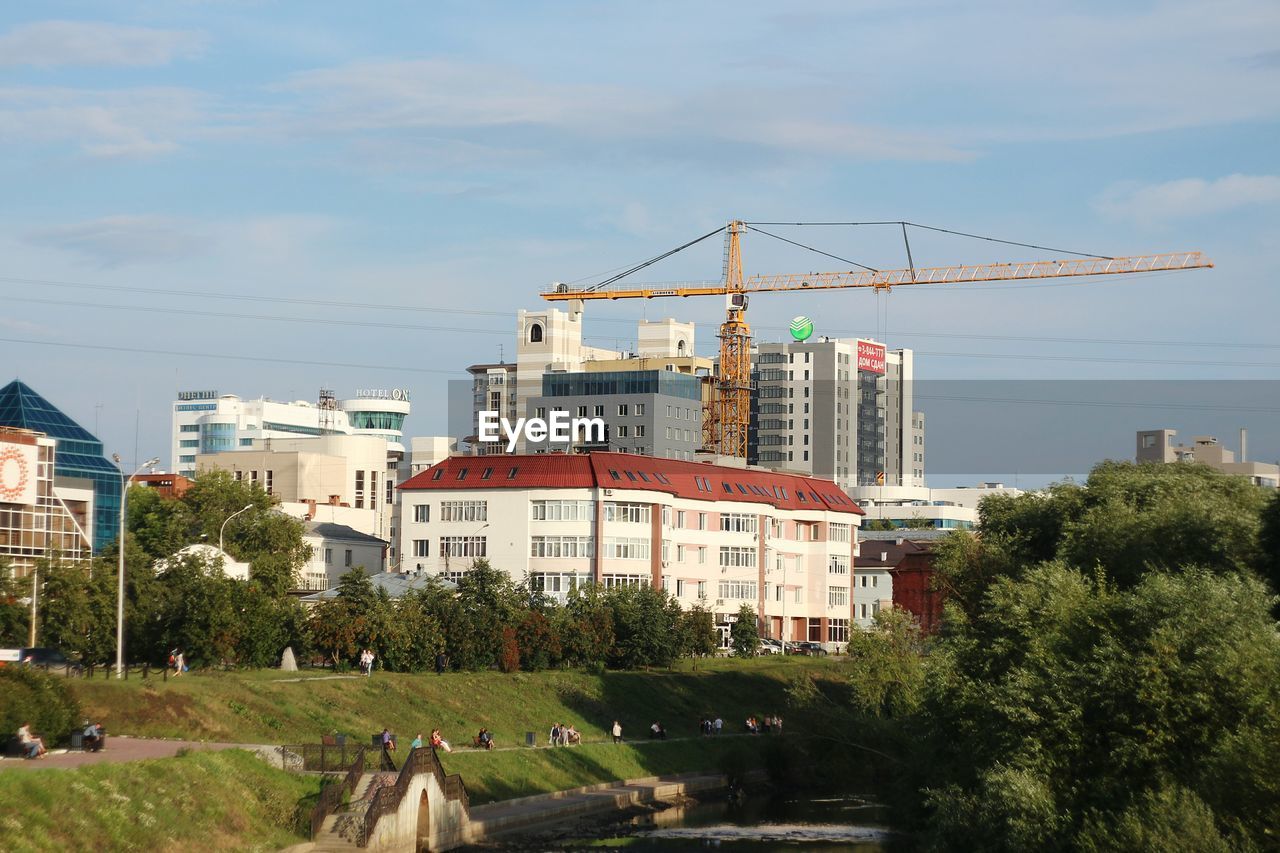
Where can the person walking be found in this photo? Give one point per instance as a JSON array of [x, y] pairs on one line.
[[179, 664], [617, 732], [718, 725]]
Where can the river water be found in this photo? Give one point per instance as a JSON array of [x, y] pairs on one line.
[[807, 824]]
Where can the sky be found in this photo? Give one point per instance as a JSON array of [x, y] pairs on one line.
[[270, 198]]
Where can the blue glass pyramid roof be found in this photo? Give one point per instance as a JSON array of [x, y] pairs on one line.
[[79, 452]]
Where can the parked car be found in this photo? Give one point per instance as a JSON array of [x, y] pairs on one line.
[[770, 646], [811, 649]]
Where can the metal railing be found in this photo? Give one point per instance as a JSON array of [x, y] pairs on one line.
[[386, 800], [322, 757], [331, 795]]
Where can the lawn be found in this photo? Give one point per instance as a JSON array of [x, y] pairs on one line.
[[199, 801], [274, 707]]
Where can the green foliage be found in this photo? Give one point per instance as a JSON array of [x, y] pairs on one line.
[[743, 637], [886, 665], [28, 695], [15, 616], [1269, 543], [1065, 706], [697, 632]]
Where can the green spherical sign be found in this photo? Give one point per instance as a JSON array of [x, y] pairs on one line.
[[801, 328]]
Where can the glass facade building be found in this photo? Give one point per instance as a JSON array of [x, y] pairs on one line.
[[79, 453]]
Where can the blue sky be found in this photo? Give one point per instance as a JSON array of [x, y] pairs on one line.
[[433, 166]]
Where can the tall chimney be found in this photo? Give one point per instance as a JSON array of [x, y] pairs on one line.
[[1244, 444]]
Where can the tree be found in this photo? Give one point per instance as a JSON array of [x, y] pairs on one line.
[[697, 632], [1068, 709], [744, 635], [15, 614], [1269, 543], [354, 619], [886, 665]]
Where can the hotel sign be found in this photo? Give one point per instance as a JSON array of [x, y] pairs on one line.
[[197, 395], [18, 473], [871, 357], [400, 394]]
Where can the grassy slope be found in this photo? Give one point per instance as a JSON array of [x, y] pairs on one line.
[[200, 801], [259, 707]]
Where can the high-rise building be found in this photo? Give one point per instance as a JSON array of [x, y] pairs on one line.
[[837, 409], [79, 454]]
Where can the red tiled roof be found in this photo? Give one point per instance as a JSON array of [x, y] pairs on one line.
[[696, 480]]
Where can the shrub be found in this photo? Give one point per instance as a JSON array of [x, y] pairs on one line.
[[30, 696]]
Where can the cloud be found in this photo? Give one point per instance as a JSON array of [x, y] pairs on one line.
[[120, 240], [476, 112], [1188, 197], [138, 122], [50, 44]]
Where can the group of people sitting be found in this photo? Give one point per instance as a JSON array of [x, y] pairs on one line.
[[771, 724], [93, 737], [435, 740], [564, 735]]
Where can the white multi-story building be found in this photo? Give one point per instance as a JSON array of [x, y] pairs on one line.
[[207, 422], [722, 536], [837, 409], [918, 506], [337, 549]]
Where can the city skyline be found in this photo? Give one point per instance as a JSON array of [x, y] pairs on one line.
[[450, 165]]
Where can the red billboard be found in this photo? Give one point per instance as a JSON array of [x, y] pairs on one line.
[[871, 357]]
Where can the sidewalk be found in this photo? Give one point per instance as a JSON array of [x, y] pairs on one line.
[[118, 749]]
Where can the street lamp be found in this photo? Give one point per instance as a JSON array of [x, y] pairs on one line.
[[124, 491], [224, 524]]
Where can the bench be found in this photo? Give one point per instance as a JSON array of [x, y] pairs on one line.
[[476, 743]]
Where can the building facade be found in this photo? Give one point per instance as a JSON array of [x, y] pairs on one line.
[[708, 534], [839, 410], [41, 513], [919, 506], [1156, 445], [79, 454], [335, 550], [305, 474], [206, 422], [645, 412]]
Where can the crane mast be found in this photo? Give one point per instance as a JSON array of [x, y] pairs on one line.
[[727, 412]]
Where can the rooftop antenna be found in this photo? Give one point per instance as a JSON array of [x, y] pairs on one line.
[[328, 405], [501, 358]]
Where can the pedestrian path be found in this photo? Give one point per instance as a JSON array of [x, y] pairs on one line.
[[118, 749]]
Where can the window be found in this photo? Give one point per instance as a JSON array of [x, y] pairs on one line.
[[540, 412], [464, 510], [627, 512], [838, 630], [462, 473], [639, 430], [422, 547], [270, 478], [463, 546], [838, 565], [702, 556], [680, 587], [535, 333], [614, 474], [483, 476], [189, 428], [738, 589], [582, 411], [668, 411], [562, 510], [599, 411], [680, 519], [837, 532], [738, 522], [622, 409], [679, 553], [626, 548], [639, 408], [248, 442], [422, 512], [328, 556], [346, 559], [188, 459], [837, 596], [863, 611], [439, 472], [736, 557], [561, 546], [192, 442], [622, 431], [612, 580]]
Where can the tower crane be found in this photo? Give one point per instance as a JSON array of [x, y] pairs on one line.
[[727, 412]]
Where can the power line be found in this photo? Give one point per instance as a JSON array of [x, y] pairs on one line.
[[946, 231]]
